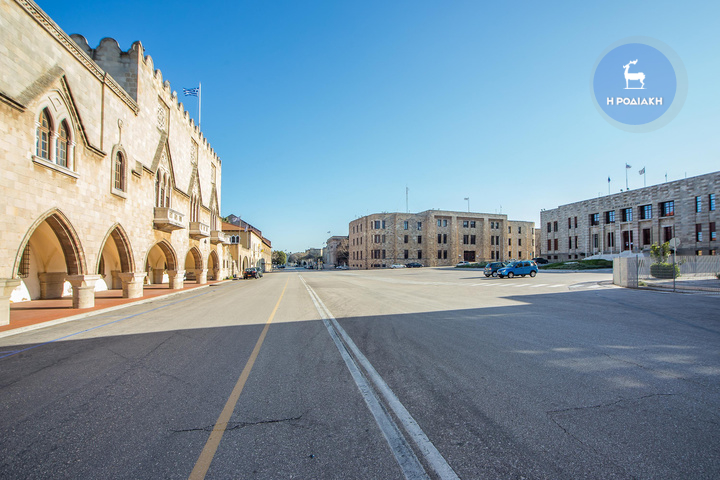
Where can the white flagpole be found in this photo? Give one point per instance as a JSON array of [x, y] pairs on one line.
[[199, 105]]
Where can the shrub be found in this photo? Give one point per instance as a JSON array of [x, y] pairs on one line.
[[664, 270]]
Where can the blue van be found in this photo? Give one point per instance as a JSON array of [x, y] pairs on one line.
[[522, 268]]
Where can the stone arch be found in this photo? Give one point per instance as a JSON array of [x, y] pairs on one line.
[[213, 265], [115, 257], [160, 259], [194, 265], [38, 261], [245, 263]]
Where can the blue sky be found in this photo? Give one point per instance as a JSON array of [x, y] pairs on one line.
[[329, 109]]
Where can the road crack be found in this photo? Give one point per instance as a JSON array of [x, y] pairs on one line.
[[238, 425]]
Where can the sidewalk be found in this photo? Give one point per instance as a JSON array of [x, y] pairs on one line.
[[25, 316]]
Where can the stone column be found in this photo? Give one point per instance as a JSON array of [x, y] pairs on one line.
[[7, 285], [201, 275], [132, 284], [176, 279], [158, 275], [116, 282], [51, 284], [83, 290]]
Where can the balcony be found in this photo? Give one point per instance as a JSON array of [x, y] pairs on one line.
[[167, 219], [218, 236], [199, 230]]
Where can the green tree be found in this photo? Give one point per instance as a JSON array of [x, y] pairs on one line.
[[279, 257]]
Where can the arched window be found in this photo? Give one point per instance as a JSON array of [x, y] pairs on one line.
[[157, 189], [63, 141], [162, 191], [167, 190], [44, 127], [119, 172]]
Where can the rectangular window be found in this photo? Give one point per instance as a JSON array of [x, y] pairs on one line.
[[549, 245], [519, 242], [405, 225], [466, 239], [439, 254], [667, 209], [472, 239], [698, 252], [698, 232], [383, 224], [569, 223], [711, 199], [549, 227], [509, 242], [519, 230], [445, 254], [406, 238], [576, 243], [466, 223], [667, 234], [497, 239], [555, 226], [713, 232], [569, 243], [419, 238], [472, 224], [646, 212], [383, 254], [594, 219], [698, 204], [383, 239], [492, 240], [444, 237], [610, 239], [627, 215], [555, 243], [419, 254], [610, 216], [419, 226], [444, 223], [510, 229], [492, 255], [646, 236], [439, 237], [407, 254], [595, 240], [439, 223], [575, 222]]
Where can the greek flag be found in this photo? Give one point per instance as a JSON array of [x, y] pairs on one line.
[[628, 166], [191, 92], [642, 171]]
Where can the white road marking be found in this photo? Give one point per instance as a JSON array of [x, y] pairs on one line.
[[433, 457]]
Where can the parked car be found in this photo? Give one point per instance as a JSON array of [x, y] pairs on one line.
[[492, 268], [462, 264], [540, 260], [397, 265], [522, 268], [252, 272], [413, 265]]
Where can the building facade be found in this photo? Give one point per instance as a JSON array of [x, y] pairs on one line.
[[335, 253], [437, 238], [630, 222], [247, 246], [107, 182]]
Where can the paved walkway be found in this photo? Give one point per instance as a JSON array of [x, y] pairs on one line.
[[30, 315]]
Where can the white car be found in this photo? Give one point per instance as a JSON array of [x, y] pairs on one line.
[[397, 265], [462, 264]]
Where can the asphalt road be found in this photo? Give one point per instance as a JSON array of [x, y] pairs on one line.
[[409, 373]]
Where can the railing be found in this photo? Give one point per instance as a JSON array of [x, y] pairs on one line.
[[678, 273], [167, 219], [199, 230]]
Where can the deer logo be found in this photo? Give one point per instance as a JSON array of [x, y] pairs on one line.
[[633, 76]]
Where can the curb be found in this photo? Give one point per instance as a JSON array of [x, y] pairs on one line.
[[80, 316]]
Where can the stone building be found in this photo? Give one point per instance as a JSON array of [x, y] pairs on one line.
[[335, 244], [247, 246], [437, 238], [107, 182], [630, 222]]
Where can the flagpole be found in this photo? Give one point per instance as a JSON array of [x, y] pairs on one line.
[[626, 177], [199, 106]]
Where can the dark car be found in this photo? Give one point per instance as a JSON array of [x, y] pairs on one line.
[[413, 265], [540, 261], [522, 268], [252, 272], [492, 268]]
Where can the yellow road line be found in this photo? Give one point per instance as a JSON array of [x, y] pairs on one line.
[[208, 453]]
